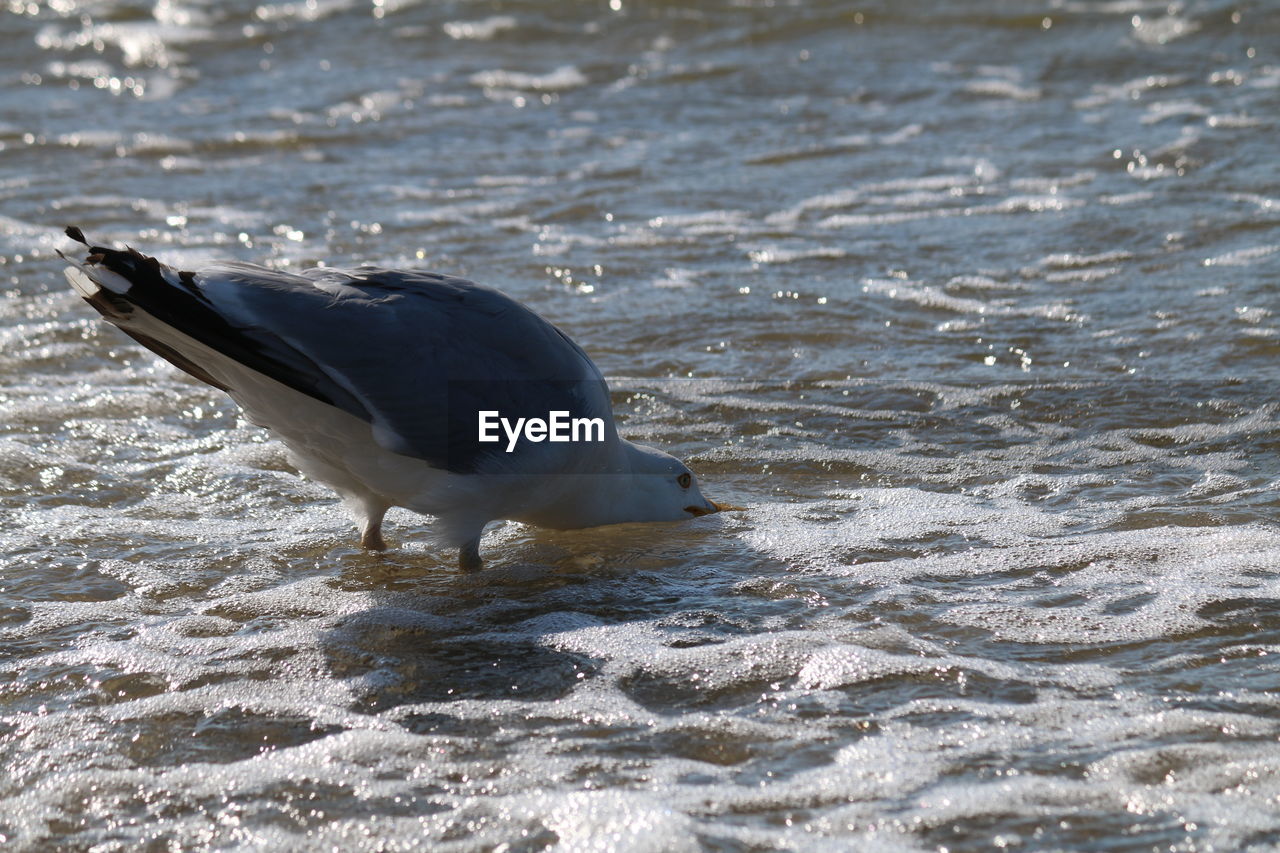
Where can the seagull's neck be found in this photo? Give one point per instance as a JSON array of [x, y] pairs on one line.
[[613, 493]]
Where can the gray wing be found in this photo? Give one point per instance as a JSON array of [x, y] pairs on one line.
[[416, 354]]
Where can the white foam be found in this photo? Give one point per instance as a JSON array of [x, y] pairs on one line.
[[481, 30], [561, 79]]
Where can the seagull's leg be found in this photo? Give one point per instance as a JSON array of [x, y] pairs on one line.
[[469, 556], [371, 528], [371, 536]]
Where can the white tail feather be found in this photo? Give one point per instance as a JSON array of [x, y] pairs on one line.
[[89, 280], [81, 283]]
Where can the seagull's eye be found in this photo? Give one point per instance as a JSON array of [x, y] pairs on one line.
[[685, 480]]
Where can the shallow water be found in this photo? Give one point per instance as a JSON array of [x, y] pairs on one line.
[[972, 303]]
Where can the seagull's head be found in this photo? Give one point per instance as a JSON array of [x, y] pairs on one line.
[[662, 488]]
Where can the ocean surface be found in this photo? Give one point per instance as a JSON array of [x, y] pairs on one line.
[[972, 304]]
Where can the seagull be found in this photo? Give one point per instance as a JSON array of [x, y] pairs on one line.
[[400, 388]]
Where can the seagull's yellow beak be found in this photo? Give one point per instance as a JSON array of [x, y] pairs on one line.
[[714, 507]]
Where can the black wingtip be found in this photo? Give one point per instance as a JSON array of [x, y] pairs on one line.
[[76, 234]]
